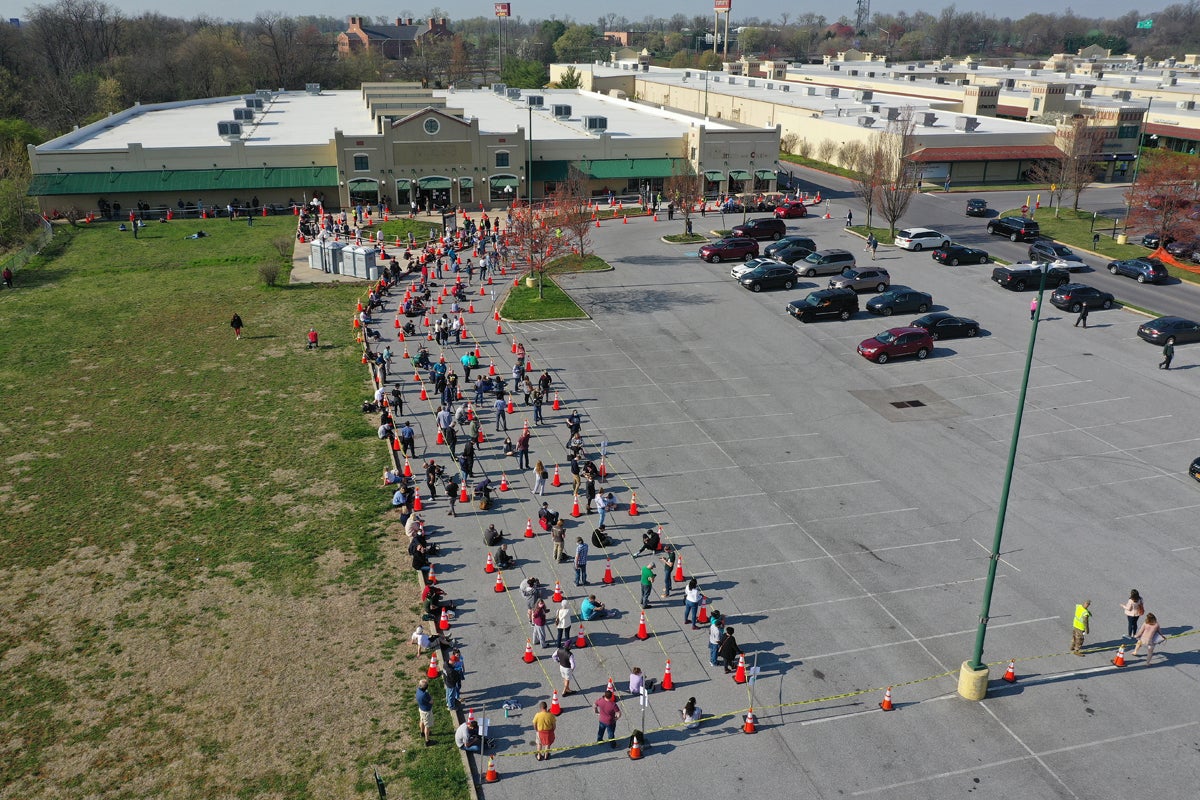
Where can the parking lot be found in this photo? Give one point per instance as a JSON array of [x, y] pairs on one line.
[[839, 512]]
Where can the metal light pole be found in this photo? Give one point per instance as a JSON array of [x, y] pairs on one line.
[[972, 679], [1137, 162]]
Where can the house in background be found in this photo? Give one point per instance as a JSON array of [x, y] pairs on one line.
[[396, 42]]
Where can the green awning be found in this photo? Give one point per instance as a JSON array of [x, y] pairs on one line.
[[714, 175], [739, 175], [466, 183], [764, 174], [433, 183], [631, 168], [550, 170], [176, 180], [500, 181]]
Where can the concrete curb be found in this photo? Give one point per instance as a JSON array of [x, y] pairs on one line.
[[703, 240]]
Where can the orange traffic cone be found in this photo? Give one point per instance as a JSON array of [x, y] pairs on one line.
[[611, 687], [462, 496], [444, 622], [667, 683], [441, 438], [491, 776], [503, 482], [528, 527], [886, 705], [529, 657], [481, 438], [635, 748], [575, 507], [633, 509], [489, 566], [396, 444], [702, 617], [1119, 661], [555, 708], [417, 501], [749, 726], [641, 631], [678, 568], [471, 307], [608, 576], [580, 639], [407, 468], [424, 394], [558, 595], [430, 578], [656, 217], [511, 409], [556, 481], [491, 368], [1010, 674], [625, 220], [432, 672], [603, 469], [556, 403], [496, 315], [739, 676], [499, 587], [397, 321], [499, 329], [514, 345]]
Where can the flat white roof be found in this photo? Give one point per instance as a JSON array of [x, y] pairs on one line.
[[843, 108], [498, 114], [289, 118]]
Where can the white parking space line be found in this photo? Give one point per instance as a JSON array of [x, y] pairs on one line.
[[1076, 428], [826, 486], [687, 472], [1158, 511], [831, 556], [747, 416], [988, 550], [977, 768], [1160, 444], [709, 499], [1181, 549], [915, 640], [859, 516], [738, 530], [762, 438], [607, 406], [1091, 486]]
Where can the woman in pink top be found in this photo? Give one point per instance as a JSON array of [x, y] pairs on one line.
[[1134, 607], [1148, 635]]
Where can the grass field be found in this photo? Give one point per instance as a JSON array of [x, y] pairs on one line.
[[204, 596]]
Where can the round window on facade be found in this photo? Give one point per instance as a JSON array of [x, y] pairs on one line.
[[432, 126]]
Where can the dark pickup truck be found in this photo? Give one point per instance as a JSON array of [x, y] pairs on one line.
[[1020, 277]]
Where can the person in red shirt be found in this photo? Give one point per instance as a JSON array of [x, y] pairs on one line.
[[312, 339]]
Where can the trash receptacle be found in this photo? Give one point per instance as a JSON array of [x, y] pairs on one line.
[[1122, 238]]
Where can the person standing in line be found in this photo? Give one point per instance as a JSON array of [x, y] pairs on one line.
[[691, 603], [581, 554], [602, 506], [539, 477], [566, 665], [1168, 352], [541, 635], [544, 723], [1149, 635], [501, 416], [668, 559], [728, 649], [647, 583], [523, 449], [1083, 312], [609, 712], [1032, 308], [1134, 607], [1081, 627], [425, 710], [452, 679], [562, 624], [537, 406], [576, 469], [714, 638], [236, 324], [558, 535]]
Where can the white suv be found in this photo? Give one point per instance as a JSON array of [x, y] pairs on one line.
[[741, 269], [920, 238]]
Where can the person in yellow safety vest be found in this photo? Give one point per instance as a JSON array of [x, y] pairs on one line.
[[1082, 627]]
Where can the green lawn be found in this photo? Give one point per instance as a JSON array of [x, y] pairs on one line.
[[202, 596], [523, 304]]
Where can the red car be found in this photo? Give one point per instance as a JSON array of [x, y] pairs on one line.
[[895, 342], [729, 249], [792, 209]]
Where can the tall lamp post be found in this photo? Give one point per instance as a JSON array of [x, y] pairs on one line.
[[1137, 162], [973, 675]]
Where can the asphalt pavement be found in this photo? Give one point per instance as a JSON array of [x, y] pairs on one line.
[[839, 513]]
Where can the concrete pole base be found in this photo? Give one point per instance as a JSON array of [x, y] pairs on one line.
[[972, 683]]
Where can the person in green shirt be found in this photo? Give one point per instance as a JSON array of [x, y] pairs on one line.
[[647, 583]]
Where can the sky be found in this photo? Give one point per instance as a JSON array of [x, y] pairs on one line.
[[580, 11]]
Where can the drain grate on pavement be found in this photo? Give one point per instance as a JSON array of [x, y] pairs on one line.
[[908, 404], [915, 403]]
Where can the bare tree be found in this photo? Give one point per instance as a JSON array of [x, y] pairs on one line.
[[571, 211], [1080, 145], [1050, 171], [1165, 193], [535, 240], [901, 177], [867, 163], [684, 187]]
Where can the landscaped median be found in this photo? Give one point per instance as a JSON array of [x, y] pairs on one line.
[[524, 303]]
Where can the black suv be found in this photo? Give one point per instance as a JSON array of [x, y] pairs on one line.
[[1051, 252], [977, 207], [1017, 229], [1074, 296], [840, 303], [1020, 277], [790, 249], [761, 228]]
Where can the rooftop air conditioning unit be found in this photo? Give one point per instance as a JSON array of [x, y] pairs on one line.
[[499, 88], [785, 88], [1172, 81], [595, 124], [863, 95], [810, 90], [911, 78], [854, 73], [831, 91], [561, 111], [973, 65], [1085, 91], [866, 121], [512, 94], [1186, 105], [716, 78], [312, 88], [939, 79], [687, 74], [870, 74], [927, 119], [920, 65], [266, 94], [535, 100], [1031, 72], [254, 102], [732, 80], [230, 130], [874, 108], [752, 83], [911, 67], [892, 112], [645, 67], [835, 67], [770, 85], [966, 124], [961, 82], [243, 114]]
